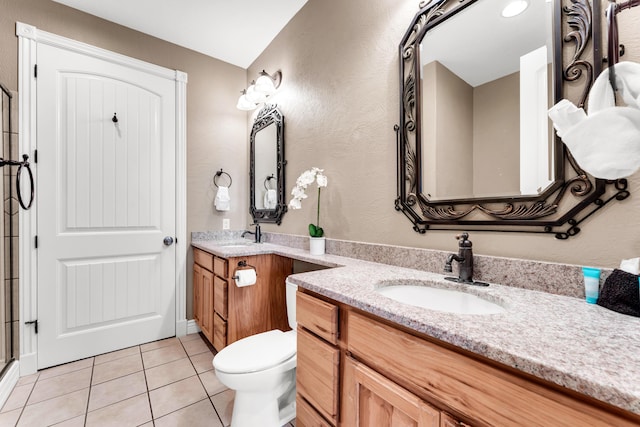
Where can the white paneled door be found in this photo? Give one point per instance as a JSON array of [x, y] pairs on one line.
[[106, 203]]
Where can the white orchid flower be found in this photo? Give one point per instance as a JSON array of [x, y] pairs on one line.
[[321, 180]]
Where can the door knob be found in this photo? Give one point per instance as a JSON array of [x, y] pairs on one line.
[[168, 241]]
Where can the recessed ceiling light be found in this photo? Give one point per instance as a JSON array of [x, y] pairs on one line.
[[514, 8]]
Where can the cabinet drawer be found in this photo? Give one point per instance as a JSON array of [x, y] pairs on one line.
[[489, 395], [317, 316], [317, 374], [306, 416], [219, 332], [203, 258], [221, 267], [220, 296]]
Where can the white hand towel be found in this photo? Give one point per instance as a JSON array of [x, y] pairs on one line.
[[222, 200], [606, 142], [270, 199]]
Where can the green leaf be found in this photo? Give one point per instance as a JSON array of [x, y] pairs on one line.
[[315, 231]]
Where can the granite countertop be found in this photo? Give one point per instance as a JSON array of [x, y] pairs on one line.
[[564, 340]]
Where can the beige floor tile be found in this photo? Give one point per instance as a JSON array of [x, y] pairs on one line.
[[60, 385], [191, 337], [66, 368], [149, 424], [29, 379], [211, 383], [293, 423], [159, 344], [194, 347], [176, 396], [73, 422], [199, 414], [223, 403], [10, 418], [114, 355], [117, 368], [18, 397], [131, 412], [169, 373], [117, 390], [163, 355], [55, 410], [202, 362]]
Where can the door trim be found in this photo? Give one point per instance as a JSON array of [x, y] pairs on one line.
[[28, 39]]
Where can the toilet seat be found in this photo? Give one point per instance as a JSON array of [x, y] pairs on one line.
[[256, 353]]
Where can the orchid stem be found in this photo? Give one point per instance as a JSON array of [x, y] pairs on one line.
[[318, 215]]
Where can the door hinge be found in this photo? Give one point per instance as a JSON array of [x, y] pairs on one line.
[[35, 156], [35, 71], [34, 323], [36, 242]]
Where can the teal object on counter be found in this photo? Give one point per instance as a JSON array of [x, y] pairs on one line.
[[591, 284]]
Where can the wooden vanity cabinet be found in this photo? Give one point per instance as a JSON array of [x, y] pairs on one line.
[[318, 361], [390, 375], [203, 291], [226, 313]]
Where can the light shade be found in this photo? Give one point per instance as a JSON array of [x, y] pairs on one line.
[[254, 96], [244, 104], [514, 8], [265, 85]]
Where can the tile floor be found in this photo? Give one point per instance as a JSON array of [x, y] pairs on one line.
[[163, 383]]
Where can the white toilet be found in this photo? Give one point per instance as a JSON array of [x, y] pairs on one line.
[[262, 370]]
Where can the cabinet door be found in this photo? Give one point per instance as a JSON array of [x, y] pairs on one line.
[[207, 304], [317, 374], [197, 294], [379, 402]]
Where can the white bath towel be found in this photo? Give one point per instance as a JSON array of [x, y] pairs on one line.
[[606, 142], [270, 199], [222, 200]]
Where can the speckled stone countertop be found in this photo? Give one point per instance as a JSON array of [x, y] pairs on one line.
[[561, 339]]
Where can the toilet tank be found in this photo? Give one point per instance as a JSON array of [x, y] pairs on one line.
[[291, 304]]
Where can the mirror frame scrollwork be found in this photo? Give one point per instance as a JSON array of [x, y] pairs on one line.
[[267, 116], [562, 207]]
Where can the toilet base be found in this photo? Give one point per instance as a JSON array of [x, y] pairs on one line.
[[252, 409]]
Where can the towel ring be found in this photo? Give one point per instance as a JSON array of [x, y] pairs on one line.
[[614, 49], [268, 180], [612, 43], [218, 174]]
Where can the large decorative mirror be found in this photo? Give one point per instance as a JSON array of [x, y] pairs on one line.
[[476, 149], [266, 172]]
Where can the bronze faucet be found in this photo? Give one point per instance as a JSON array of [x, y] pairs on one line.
[[464, 257]]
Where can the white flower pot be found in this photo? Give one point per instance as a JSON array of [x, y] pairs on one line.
[[316, 245]]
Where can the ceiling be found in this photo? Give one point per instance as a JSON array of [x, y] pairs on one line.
[[477, 55], [234, 31]]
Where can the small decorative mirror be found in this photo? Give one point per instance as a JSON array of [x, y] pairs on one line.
[[266, 173], [476, 149]]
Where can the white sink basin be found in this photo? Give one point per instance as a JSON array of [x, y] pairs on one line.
[[446, 300], [235, 244]]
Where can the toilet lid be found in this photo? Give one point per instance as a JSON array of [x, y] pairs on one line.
[[256, 353]]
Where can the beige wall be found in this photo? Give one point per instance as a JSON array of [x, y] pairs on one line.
[[216, 131], [339, 94], [453, 120], [496, 137]]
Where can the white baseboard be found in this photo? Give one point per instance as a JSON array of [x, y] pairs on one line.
[[192, 327], [28, 364], [9, 381], [182, 328]]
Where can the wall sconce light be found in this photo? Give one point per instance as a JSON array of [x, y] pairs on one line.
[[259, 90]]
